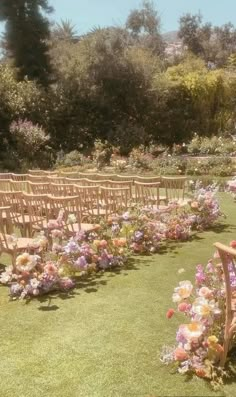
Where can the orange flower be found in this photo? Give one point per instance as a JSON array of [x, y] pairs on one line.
[[170, 313], [200, 372]]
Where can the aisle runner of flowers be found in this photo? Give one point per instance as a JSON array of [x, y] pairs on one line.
[[200, 338], [54, 262]]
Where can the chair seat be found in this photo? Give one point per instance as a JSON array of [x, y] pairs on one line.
[[86, 227], [22, 243]]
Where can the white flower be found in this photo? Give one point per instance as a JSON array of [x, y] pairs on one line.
[[26, 262], [5, 277], [183, 291], [71, 219], [182, 270], [192, 330], [34, 283]]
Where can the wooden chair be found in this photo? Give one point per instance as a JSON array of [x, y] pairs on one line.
[[5, 185], [70, 205], [38, 178], [5, 175], [119, 184], [8, 244], [90, 201], [19, 177], [115, 200], [147, 194], [109, 177], [174, 188], [130, 178], [20, 186], [35, 214], [63, 190], [147, 179], [68, 174], [56, 179], [39, 188], [42, 172], [89, 175], [228, 256]]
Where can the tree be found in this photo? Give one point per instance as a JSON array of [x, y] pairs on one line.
[[145, 25], [27, 32], [65, 30], [189, 29]]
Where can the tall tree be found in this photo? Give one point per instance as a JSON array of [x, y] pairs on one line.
[[65, 30], [27, 32], [189, 32], [145, 26]]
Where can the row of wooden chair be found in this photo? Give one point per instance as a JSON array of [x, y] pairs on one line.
[[174, 189]]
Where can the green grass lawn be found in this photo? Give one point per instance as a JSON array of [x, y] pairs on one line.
[[104, 340]]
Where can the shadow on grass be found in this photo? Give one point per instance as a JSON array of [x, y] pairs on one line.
[[88, 284], [222, 228]]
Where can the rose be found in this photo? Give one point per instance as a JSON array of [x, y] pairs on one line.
[[180, 354], [184, 307]]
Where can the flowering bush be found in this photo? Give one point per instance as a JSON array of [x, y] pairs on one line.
[[200, 338]]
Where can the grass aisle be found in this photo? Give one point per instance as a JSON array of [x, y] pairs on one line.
[[104, 341]]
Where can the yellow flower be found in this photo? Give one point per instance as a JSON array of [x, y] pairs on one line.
[[212, 340]]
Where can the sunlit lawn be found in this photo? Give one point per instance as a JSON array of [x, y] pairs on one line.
[[105, 339]]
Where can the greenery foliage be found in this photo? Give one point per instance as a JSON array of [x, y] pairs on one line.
[[114, 85]]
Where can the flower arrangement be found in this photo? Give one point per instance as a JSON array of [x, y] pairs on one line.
[[200, 337], [205, 207]]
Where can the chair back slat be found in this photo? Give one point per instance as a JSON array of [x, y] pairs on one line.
[[174, 187], [147, 194], [5, 185]]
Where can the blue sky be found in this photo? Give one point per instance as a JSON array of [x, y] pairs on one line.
[[86, 14]]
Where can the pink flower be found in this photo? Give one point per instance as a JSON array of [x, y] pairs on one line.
[[180, 354], [184, 307], [51, 269], [103, 244], [233, 244], [205, 292], [170, 313]]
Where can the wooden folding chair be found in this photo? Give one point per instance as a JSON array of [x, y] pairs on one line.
[[228, 256], [175, 189], [147, 194], [130, 178]]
